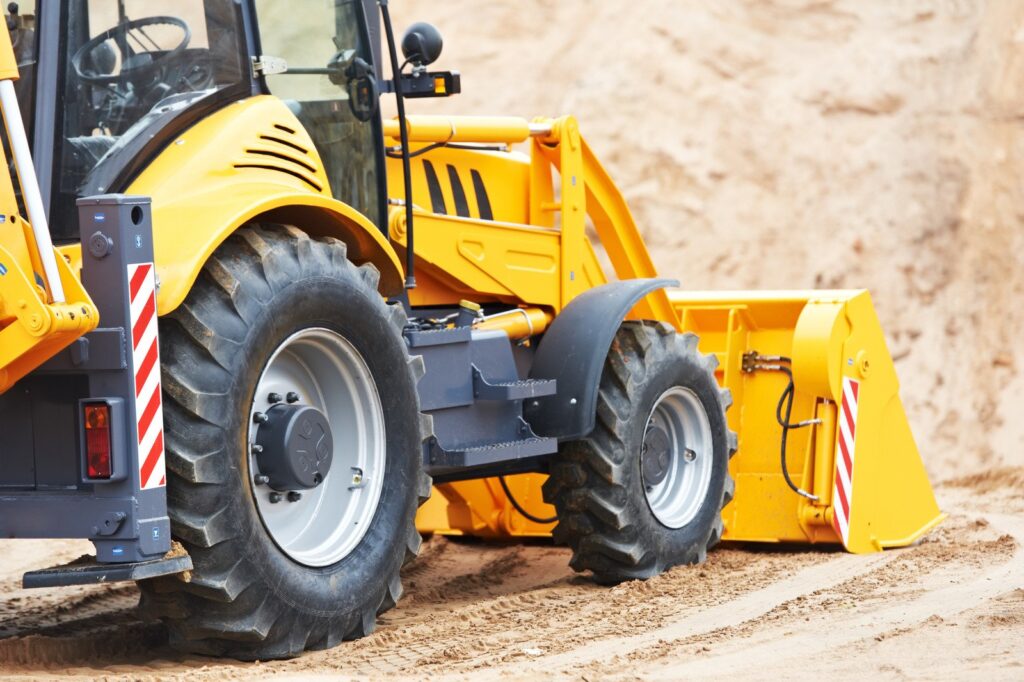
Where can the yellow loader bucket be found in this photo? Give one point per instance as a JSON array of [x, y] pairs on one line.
[[854, 458]]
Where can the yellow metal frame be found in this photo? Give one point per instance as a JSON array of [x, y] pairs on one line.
[[535, 250]]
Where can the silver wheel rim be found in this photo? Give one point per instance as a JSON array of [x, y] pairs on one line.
[[679, 496], [327, 373]]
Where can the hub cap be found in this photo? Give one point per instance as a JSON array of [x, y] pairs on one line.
[[295, 447], [676, 459], [317, 458]]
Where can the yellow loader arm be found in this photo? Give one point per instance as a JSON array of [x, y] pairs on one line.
[[43, 306], [851, 452]]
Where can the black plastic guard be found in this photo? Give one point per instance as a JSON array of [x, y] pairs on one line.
[[573, 352]]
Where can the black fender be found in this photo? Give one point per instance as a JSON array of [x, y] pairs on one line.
[[573, 352]]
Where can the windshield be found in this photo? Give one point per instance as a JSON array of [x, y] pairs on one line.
[[346, 136], [130, 66]]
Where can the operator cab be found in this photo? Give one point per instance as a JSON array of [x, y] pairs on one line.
[[130, 69], [122, 79]]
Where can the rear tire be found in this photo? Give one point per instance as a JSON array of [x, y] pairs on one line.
[[619, 525], [248, 598]]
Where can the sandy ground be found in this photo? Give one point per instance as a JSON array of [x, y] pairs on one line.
[[762, 144], [952, 606]]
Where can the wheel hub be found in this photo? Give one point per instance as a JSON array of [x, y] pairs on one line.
[[676, 457], [295, 447], [657, 452]]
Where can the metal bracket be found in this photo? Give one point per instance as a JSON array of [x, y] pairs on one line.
[[266, 65], [109, 523]]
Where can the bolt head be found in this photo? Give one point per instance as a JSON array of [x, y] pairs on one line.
[[689, 455], [260, 418], [275, 498], [294, 496], [292, 397], [261, 479], [274, 398]]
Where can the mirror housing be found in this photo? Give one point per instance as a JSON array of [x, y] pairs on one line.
[[422, 44]]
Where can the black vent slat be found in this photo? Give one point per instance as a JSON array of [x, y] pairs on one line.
[[458, 193], [434, 187], [482, 200]]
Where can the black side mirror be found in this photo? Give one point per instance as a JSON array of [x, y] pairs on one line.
[[422, 44]]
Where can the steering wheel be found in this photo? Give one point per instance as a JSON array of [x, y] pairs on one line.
[[88, 60]]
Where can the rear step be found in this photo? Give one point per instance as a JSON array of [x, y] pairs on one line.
[[511, 390], [85, 570], [489, 454]]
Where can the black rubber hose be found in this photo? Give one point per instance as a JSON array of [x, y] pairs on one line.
[[519, 508], [396, 76], [787, 398]]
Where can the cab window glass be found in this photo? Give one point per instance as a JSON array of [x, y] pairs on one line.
[[325, 32], [131, 65], [21, 23]]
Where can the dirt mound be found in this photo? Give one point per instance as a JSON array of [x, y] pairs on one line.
[[778, 144], [991, 480]]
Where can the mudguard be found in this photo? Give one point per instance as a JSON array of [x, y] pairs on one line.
[[573, 351]]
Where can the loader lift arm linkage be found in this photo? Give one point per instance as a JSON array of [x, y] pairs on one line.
[[833, 338], [43, 307]]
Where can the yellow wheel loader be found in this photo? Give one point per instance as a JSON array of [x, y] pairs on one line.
[[255, 339]]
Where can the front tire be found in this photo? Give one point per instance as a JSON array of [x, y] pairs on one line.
[[645, 490], [258, 589]]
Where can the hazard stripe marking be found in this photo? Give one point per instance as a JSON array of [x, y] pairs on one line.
[[154, 456], [140, 325], [137, 279], [146, 363], [142, 373], [847, 433]]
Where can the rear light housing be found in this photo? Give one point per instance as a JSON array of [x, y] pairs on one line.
[[103, 439], [99, 450]]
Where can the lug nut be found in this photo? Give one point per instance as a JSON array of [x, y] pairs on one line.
[[256, 448], [274, 398], [292, 397], [689, 455], [261, 479], [275, 498], [260, 418], [294, 496]]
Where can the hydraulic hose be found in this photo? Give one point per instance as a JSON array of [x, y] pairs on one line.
[[519, 508], [396, 77], [780, 363]]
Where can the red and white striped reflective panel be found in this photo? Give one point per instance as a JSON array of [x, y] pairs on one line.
[[842, 495], [146, 361]]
